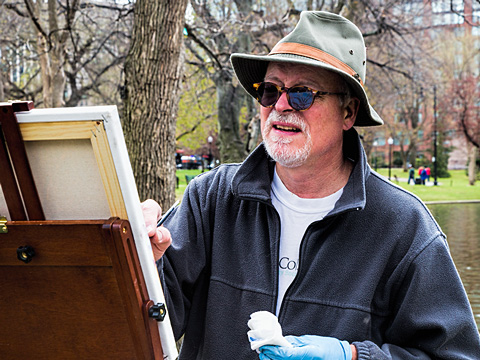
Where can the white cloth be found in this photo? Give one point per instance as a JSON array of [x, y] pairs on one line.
[[265, 330], [296, 214]]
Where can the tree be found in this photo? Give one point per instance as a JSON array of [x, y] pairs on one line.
[[459, 100], [51, 42], [397, 81], [215, 38], [153, 70], [468, 119], [197, 113], [60, 52]]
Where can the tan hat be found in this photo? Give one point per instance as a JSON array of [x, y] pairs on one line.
[[321, 39]]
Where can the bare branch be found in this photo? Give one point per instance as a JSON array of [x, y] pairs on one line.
[[200, 43], [387, 67], [461, 14], [15, 9], [36, 21]]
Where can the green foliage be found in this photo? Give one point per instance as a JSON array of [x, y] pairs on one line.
[[397, 159], [197, 112]]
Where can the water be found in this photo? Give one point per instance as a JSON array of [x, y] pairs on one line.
[[461, 223]]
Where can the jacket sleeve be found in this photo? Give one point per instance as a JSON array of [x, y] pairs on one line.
[[432, 317], [183, 268]]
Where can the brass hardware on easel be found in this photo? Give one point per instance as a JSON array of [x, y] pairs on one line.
[[3, 225]]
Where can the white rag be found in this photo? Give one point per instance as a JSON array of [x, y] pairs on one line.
[[265, 330]]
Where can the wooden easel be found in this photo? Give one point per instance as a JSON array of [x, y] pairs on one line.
[[68, 289]]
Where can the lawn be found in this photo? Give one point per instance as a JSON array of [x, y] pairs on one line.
[[454, 188], [448, 189], [182, 181]]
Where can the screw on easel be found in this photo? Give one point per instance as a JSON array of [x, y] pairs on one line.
[[157, 311], [25, 253]]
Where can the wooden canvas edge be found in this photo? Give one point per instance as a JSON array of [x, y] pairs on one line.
[[94, 131], [142, 241]]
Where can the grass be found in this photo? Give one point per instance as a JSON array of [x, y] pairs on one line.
[[454, 188], [182, 181], [449, 189]]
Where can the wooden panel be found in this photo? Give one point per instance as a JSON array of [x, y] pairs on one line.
[[55, 244], [81, 296], [56, 312]]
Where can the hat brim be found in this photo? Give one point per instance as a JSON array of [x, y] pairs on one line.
[[251, 69]]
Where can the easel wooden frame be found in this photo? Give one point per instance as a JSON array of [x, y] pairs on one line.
[[118, 240], [82, 296]]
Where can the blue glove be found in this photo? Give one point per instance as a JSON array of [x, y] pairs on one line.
[[308, 347]]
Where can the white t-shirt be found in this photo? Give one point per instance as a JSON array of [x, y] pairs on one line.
[[296, 214]]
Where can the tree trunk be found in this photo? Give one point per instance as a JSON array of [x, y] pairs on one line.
[[153, 71], [472, 164], [42, 50], [230, 100], [50, 47], [57, 57], [2, 92]]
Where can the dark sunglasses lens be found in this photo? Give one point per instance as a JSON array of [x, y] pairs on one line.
[[267, 94], [301, 98]]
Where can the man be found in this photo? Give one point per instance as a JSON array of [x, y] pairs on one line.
[[411, 174], [304, 229]]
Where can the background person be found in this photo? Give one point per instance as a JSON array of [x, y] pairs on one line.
[[411, 174], [369, 274]]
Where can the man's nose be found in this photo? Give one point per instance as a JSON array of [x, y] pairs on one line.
[[282, 104]]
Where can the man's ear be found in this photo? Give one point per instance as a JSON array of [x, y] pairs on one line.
[[350, 113]]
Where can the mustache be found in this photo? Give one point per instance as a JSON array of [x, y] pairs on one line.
[[292, 119]]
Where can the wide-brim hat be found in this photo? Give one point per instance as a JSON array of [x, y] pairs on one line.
[[320, 39]]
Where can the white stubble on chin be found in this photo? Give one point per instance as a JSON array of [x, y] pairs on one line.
[[279, 147]]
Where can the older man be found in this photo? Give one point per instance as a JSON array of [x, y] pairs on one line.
[[304, 228]]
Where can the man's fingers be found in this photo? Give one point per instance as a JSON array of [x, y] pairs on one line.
[[160, 240], [151, 212], [160, 237]]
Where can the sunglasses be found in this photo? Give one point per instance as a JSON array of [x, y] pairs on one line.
[[300, 98]]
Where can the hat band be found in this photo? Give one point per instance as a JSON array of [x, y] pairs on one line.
[[314, 53]]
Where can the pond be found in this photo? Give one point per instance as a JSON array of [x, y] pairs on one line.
[[461, 223]]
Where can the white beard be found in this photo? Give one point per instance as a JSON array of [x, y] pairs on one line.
[[278, 147]]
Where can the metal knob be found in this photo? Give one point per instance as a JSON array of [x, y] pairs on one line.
[[25, 253]]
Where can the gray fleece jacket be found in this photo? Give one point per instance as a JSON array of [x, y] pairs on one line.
[[376, 271]]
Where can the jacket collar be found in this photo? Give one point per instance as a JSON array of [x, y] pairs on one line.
[[254, 176]]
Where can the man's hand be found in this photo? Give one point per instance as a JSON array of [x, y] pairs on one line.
[[308, 347], [159, 237]]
